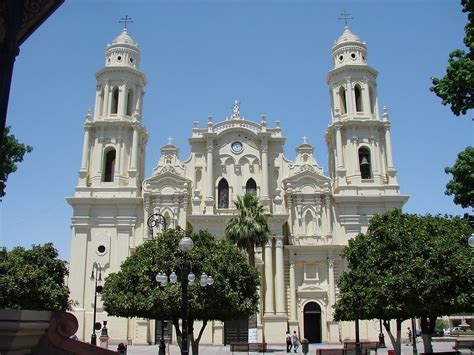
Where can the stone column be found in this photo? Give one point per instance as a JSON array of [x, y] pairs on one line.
[[122, 89], [388, 147], [269, 309], [264, 149], [340, 162], [106, 108], [280, 276], [136, 137], [350, 97], [209, 202], [292, 291], [97, 112], [86, 146], [331, 290], [366, 98], [118, 155]]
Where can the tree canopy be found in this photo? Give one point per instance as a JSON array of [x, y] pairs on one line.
[[456, 88], [33, 279], [134, 292], [11, 152], [462, 183], [407, 266], [249, 227]]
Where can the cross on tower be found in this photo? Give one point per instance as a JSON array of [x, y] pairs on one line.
[[125, 20], [304, 139], [345, 16], [170, 139]]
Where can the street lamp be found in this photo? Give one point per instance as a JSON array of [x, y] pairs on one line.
[[187, 278], [470, 241], [381, 336], [97, 277], [153, 221]]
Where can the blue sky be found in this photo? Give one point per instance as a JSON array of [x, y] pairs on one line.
[[199, 56]]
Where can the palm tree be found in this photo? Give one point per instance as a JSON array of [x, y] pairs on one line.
[[249, 227]]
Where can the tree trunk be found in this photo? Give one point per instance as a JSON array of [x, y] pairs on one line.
[[195, 342], [178, 332], [427, 330], [396, 342]]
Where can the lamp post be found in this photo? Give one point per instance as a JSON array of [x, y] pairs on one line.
[[187, 278], [381, 336], [97, 277], [153, 221]]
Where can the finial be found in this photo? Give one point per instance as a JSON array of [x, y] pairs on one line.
[[170, 139], [236, 110], [196, 124], [125, 20], [304, 140], [209, 119], [89, 114], [385, 113], [345, 16]]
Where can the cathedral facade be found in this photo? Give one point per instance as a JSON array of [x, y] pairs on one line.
[[312, 215]]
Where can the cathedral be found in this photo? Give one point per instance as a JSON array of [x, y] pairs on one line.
[[312, 214]]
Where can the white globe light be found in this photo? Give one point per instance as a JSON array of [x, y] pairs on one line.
[[186, 244], [158, 277], [470, 241], [191, 277], [210, 280], [164, 280], [191, 283], [173, 277], [203, 280]]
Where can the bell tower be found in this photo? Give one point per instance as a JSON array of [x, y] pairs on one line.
[[360, 150], [107, 221], [114, 138]]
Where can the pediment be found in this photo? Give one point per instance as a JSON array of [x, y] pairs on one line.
[[311, 289], [167, 182], [306, 181]]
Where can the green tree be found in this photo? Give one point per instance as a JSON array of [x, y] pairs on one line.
[[249, 227], [457, 86], [134, 292], [11, 152], [462, 183], [33, 279], [408, 266]]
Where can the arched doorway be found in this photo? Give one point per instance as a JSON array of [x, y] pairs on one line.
[[312, 322]]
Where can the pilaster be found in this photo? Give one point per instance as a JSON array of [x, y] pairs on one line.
[[279, 277], [269, 308]]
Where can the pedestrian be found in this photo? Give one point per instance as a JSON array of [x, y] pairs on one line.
[[289, 344], [296, 342], [408, 336]]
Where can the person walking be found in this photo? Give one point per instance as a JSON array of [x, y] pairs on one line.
[[289, 344], [409, 336], [296, 341]]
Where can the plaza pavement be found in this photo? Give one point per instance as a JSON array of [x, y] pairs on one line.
[[279, 349]]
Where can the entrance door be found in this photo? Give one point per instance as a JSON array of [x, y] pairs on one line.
[[312, 322], [236, 331]]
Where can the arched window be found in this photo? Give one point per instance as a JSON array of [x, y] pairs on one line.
[[115, 98], [109, 166], [372, 100], [130, 102], [342, 99], [358, 98], [251, 186], [223, 193], [364, 163]]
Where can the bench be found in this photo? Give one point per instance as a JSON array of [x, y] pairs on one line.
[[329, 351], [365, 346], [463, 344], [242, 346]]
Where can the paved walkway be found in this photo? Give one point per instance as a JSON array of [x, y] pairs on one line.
[[278, 349]]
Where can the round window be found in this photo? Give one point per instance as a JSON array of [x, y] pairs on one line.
[[353, 55], [101, 249], [341, 58], [119, 58], [131, 60]]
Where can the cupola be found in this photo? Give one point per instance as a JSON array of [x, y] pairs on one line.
[[349, 49], [123, 52]]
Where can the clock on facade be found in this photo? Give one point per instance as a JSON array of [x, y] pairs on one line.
[[237, 147]]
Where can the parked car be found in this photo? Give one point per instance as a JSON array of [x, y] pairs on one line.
[[453, 330]]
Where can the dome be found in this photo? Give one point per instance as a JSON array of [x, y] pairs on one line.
[[347, 36], [124, 38]]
